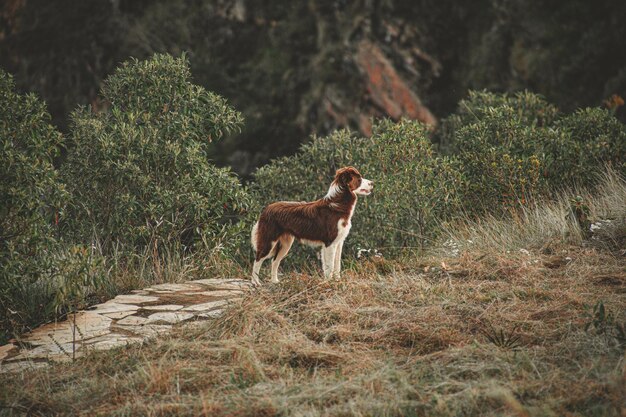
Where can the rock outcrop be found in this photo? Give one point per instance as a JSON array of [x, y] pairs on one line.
[[387, 91]]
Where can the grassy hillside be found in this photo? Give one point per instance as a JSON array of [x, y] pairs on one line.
[[407, 342], [480, 291], [521, 317]]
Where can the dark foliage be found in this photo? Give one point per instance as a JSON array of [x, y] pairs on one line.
[[291, 67]]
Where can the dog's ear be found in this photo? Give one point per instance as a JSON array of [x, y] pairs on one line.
[[343, 176]]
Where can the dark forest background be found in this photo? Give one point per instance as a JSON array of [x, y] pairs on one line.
[[296, 68]]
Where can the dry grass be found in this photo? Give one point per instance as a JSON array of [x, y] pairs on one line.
[[485, 333], [547, 225], [126, 271], [408, 342]]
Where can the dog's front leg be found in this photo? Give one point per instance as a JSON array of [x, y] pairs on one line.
[[328, 260], [337, 260]]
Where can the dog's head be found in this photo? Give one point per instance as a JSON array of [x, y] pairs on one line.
[[352, 179]]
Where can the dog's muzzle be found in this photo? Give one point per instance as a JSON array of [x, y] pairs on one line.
[[366, 187]]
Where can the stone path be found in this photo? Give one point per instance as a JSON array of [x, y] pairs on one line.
[[129, 318]]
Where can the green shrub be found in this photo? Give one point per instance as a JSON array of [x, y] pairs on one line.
[[587, 140], [139, 173], [498, 158], [31, 197], [414, 189], [512, 149], [529, 109]]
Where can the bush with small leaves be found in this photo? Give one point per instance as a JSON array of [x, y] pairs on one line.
[[499, 162], [32, 260], [138, 171], [588, 139], [529, 109], [512, 149], [414, 191]]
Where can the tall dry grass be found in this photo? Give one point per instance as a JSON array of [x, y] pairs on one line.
[[127, 271], [547, 223]]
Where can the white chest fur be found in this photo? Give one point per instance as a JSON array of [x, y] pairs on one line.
[[343, 229], [344, 225]]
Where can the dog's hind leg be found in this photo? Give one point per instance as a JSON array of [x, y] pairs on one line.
[[255, 272], [265, 250], [284, 245]]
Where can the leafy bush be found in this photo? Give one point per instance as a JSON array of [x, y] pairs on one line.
[[497, 156], [414, 189], [31, 197], [588, 139], [138, 171], [512, 149], [528, 109]]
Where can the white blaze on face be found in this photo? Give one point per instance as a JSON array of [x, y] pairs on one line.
[[365, 188]]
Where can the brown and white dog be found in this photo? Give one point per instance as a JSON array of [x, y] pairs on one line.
[[324, 223]]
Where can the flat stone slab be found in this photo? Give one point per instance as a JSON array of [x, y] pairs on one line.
[[170, 317], [7, 350], [228, 286], [217, 293], [112, 307], [110, 336], [111, 341], [213, 314], [60, 352], [164, 307], [147, 330], [135, 299], [225, 293], [211, 281], [206, 306], [226, 283], [110, 344], [173, 287], [120, 314], [132, 321], [88, 323], [121, 321]]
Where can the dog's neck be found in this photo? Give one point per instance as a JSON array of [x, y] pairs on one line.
[[340, 198]]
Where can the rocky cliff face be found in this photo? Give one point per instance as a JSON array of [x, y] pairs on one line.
[[388, 94], [296, 68]]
